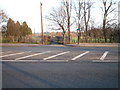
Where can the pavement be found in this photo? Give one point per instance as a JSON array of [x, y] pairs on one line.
[[73, 45], [16, 44], [95, 45], [51, 66]]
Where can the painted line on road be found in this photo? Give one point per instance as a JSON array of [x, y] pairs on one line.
[[80, 55], [7, 60], [6, 52], [56, 61], [14, 54], [53, 60], [55, 55], [105, 61], [104, 55], [32, 55]]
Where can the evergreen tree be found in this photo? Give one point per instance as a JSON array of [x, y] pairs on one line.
[[18, 31], [11, 29]]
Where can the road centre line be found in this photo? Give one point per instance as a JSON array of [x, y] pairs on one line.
[[32, 55], [104, 55], [55, 55], [14, 54], [80, 55]]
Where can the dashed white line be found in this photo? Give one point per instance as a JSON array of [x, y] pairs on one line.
[[14, 54], [7, 60], [56, 55], [104, 55], [19, 60], [32, 55], [80, 55]]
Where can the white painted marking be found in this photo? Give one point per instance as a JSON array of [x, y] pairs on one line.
[[2, 52], [28, 51], [56, 55], [19, 60], [34, 60], [106, 61], [54, 60], [80, 55], [32, 55], [12, 54], [104, 55], [6, 52]]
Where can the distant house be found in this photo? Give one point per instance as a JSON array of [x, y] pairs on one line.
[[52, 37]]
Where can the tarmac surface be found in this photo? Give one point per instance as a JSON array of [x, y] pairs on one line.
[[54, 66]]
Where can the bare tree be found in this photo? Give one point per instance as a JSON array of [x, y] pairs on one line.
[[107, 9], [68, 7], [58, 17], [3, 16], [86, 10], [78, 7]]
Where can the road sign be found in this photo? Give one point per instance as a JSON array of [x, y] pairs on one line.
[[78, 29]]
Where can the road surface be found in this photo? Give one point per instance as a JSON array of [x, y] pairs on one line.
[[59, 67]]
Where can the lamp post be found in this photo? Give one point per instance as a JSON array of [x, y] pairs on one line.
[[42, 36]]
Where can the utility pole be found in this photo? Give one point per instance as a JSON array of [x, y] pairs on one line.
[[42, 36], [118, 19]]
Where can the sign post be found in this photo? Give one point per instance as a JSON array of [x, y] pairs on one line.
[[78, 34]]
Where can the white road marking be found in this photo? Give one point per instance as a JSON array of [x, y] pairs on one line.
[[105, 61], [104, 55], [6, 52], [7, 60], [14, 54], [32, 55], [54, 60], [56, 55], [34, 60], [19, 60], [80, 55]]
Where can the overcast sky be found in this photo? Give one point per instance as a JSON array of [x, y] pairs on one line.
[[29, 11]]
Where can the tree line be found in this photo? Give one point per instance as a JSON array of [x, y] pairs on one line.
[[78, 13], [15, 32]]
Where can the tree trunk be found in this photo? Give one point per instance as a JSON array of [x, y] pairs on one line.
[[104, 30], [63, 38]]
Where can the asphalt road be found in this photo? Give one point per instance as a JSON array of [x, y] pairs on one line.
[[59, 67]]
